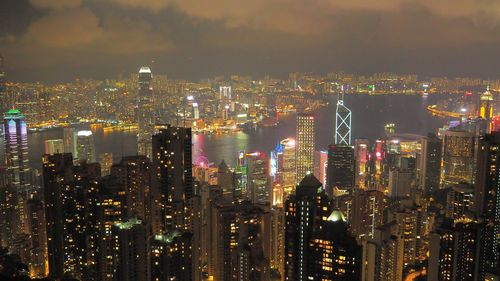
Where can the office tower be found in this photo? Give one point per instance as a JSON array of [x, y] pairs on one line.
[[335, 254], [320, 165], [383, 256], [400, 182], [305, 211], [130, 251], [459, 201], [106, 161], [172, 180], [390, 128], [458, 160], [379, 169], [487, 200], [225, 92], [362, 157], [430, 164], [196, 111], [288, 166], [486, 108], [305, 145], [340, 168], [454, 250], [145, 114], [171, 256], [17, 163], [367, 212], [9, 215], [54, 146], [342, 123], [259, 181], [69, 139], [134, 175], [85, 147], [495, 123]]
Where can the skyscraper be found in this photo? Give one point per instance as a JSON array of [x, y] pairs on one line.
[[171, 256], [486, 108], [305, 145], [17, 163], [487, 200], [288, 167], [85, 146], [173, 177], [145, 112], [305, 212], [259, 181], [342, 123], [430, 164], [362, 157], [340, 167], [458, 161]]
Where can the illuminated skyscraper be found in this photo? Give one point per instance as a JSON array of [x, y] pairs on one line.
[[145, 112], [459, 200], [17, 163], [259, 181], [458, 159], [342, 123], [305, 145], [225, 92], [106, 161], [306, 211], [289, 169], [85, 146], [171, 256], [486, 108], [362, 157], [320, 165], [173, 177], [487, 200]]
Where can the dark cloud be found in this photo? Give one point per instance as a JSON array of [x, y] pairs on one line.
[[61, 40]]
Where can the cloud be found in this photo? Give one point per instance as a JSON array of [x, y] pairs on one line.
[[56, 4]]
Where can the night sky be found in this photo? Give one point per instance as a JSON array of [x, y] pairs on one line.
[[60, 40]]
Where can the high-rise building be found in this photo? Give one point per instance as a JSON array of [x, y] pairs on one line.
[[367, 212], [134, 175], [320, 165], [305, 212], [130, 251], [340, 168], [259, 181], [459, 201], [334, 253], [304, 145], [225, 92], [430, 164], [54, 146], [383, 256], [486, 108], [487, 200], [342, 123], [173, 177], [145, 113], [454, 250], [288, 166], [458, 160], [38, 252], [17, 163], [362, 157], [69, 139], [85, 146], [400, 182]]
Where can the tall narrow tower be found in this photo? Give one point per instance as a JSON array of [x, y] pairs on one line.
[[145, 113], [305, 145], [486, 109], [342, 123]]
